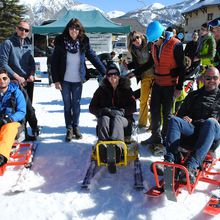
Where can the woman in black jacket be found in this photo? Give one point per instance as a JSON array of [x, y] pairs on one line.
[[113, 104], [68, 70]]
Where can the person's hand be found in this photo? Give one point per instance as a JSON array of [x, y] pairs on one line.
[[58, 86], [130, 75], [31, 78], [21, 80], [188, 119], [177, 93]]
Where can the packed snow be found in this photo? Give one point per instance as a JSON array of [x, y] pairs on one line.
[[53, 186]]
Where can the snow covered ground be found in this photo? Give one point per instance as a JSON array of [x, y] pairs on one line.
[[53, 186]]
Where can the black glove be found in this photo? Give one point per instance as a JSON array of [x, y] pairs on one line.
[[5, 120], [104, 111]]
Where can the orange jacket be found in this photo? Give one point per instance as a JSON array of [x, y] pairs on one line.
[[165, 63]]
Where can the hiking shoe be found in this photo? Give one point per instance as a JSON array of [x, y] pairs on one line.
[[30, 138], [192, 175], [3, 160], [69, 134], [76, 133], [159, 168], [36, 131], [152, 140]]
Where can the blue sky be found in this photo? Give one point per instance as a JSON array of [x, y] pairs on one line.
[[125, 5]]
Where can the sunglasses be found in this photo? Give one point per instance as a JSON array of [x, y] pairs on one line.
[[4, 78], [74, 27], [135, 38], [208, 78], [214, 23], [23, 29], [112, 74]]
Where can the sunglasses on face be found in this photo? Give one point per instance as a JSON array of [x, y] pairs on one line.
[[208, 78], [4, 78], [74, 27], [111, 74], [23, 29], [135, 38]]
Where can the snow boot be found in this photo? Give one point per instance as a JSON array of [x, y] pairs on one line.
[[69, 134], [76, 133]]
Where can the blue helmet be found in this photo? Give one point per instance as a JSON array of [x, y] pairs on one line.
[[154, 31]]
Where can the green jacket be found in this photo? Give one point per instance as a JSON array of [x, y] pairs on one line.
[[207, 49]]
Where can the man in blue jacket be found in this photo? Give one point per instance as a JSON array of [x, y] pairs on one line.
[[16, 58], [12, 112]]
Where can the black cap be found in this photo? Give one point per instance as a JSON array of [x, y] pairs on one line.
[[112, 66]]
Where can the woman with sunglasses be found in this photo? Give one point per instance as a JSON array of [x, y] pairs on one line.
[[142, 63], [113, 104], [68, 70]]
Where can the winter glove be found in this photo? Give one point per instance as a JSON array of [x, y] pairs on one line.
[[104, 111], [5, 120]]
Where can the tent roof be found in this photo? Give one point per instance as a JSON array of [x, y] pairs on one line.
[[93, 22]]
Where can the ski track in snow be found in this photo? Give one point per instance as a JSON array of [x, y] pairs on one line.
[[53, 186]]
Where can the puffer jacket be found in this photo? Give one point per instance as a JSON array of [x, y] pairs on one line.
[[121, 98], [201, 104], [17, 58], [58, 60], [14, 105]]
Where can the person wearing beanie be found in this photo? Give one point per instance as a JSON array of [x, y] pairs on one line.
[[113, 105]]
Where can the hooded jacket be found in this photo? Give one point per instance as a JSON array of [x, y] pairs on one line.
[[17, 58], [121, 98], [14, 107]]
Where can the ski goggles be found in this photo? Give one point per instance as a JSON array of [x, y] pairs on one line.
[[214, 23]]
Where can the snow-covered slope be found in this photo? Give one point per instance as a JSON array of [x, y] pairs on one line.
[[53, 186]]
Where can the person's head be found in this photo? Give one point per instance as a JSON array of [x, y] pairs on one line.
[[195, 36], [112, 73], [112, 54], [204, 30], [22, 29], [211, 78], [215, 28], [74, 29], [4, 80], [173, 30], [134, 38], [155, 32]]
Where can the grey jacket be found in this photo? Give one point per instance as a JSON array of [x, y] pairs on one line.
[[17, 58]]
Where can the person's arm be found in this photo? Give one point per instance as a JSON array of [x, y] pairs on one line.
[[94, 59], [20, 113], [180, 69]]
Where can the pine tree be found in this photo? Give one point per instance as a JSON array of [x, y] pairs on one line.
[[10, 14]]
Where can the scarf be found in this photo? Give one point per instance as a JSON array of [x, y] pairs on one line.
[[71, 46]]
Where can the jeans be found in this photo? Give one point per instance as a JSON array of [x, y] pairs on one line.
[[162, 99], [206, 133], [71, 93]]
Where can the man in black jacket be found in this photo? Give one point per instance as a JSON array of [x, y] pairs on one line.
[[197, 119]]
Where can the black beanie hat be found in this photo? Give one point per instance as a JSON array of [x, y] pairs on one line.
[[112, 66]]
